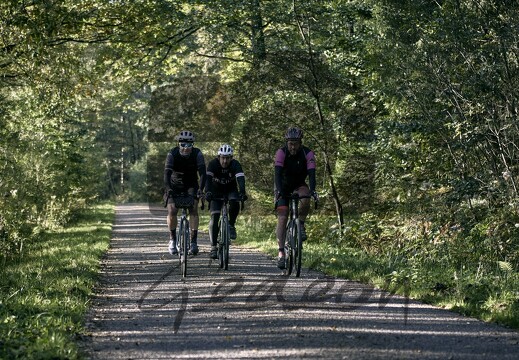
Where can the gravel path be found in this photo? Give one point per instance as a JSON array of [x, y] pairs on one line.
[[144, 310]]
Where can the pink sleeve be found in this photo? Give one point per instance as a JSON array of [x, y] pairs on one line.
[[279, 159], [310, 160]]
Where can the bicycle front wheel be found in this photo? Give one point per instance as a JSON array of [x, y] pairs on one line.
[[298, 247], [184, 246], [289, 247], [223, 245]]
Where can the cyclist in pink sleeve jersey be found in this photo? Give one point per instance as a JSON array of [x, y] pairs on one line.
[[293, 163]]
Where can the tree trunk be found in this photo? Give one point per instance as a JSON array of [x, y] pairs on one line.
[[316, 95], [257, 35]]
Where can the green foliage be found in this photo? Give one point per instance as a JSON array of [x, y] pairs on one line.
[[446, 82], [54, 85], [410, 108], [45, 293]]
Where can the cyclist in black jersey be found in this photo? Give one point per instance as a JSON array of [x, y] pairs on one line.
[[224, 176], [184, 172], [293, 163]]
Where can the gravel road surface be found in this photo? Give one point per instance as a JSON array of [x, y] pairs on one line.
[[143, 309]]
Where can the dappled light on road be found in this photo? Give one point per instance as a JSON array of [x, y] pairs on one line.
[[144, 309]]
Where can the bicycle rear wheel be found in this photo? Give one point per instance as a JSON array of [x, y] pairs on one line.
[[184, 246], [298, 247]]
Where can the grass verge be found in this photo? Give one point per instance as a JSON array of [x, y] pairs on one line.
[[45, 292]]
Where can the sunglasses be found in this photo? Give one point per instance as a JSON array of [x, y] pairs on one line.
[[186, 145]]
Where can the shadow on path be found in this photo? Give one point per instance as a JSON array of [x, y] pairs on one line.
[[143, 309]]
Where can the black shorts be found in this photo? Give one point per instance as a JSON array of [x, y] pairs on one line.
[[284, 202], [216, 205]]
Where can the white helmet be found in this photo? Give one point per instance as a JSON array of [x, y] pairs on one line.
[[225, 150], [186, 136]]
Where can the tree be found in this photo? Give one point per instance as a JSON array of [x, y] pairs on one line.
[[451, 71]]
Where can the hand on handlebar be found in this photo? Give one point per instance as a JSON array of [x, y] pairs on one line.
[[199, 194]]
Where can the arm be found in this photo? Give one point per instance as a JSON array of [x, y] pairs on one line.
[[241, 184], [209, 177], [277, 178], [168, 170], [240, 177], [279, 162], [311, 178], [310, 169], [201, 169]]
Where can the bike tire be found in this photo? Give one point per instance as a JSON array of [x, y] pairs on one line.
[[220, 244], [289, 247], [185, 247], [298, 248], [225, 246], [180, 245]]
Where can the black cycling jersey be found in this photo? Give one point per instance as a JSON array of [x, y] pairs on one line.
[[182, 172], [292, 170], [225, 180]]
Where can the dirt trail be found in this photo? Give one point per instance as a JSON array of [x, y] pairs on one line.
[[144, 310]]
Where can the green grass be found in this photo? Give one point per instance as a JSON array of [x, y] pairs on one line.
[[44, 293], [490, 296]]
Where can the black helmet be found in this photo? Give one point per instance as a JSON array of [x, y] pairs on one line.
[[294, 133]]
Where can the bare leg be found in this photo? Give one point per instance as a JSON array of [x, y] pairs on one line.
[[172, 217], [281, 227]]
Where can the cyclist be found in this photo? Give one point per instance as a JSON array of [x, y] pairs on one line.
[[185, 166], [293, 164], [224, 176]]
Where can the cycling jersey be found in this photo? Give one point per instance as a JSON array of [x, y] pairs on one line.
[[292, 170], [181, 172], [225, 180]]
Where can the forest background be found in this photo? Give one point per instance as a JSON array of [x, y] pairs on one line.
[[410, 106]]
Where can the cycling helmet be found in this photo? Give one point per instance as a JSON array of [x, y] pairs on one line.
[[186, 136], [294, 133], [225, 150]]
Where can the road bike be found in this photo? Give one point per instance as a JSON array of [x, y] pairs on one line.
[[293, 236], [224, 236], [184, 202]]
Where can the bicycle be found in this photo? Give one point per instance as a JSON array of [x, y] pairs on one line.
[[293, 237], [224, 238], [183, 201]]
